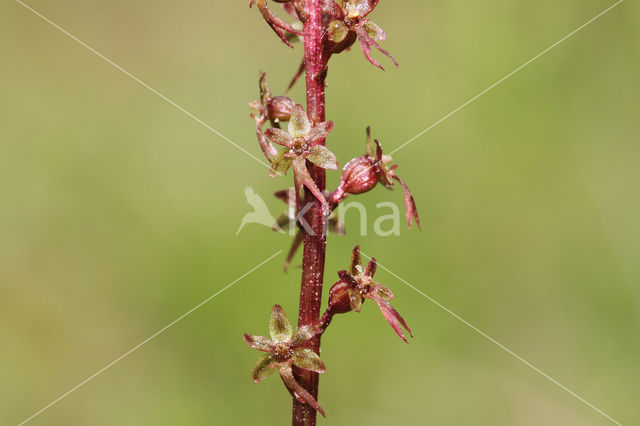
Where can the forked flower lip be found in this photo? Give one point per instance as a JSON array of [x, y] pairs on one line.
[[278, 25]]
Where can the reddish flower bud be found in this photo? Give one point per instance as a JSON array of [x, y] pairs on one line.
[[360, 175], [279, 108], [339, 298]]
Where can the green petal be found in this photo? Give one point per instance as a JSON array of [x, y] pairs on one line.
[[355, 299], [374, 31], [279, 136], [259, 343], [322, 157], [299, 126], [280, 164], [279, 325], [308, 359], [338, 31], [263, 368], [302, 335], [319, 132]]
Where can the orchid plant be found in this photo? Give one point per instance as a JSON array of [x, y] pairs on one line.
[[327, 28]]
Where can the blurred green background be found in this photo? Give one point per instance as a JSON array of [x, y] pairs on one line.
[[118, 214]]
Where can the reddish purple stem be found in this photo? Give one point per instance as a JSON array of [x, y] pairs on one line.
[[314, 245]]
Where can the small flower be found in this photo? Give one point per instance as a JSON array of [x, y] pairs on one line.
[[284, 350], [302, 142], [356, 285], [362, 174], [350, 22], [278, 25]]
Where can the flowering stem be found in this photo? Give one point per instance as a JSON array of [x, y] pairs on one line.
[[314, 245]]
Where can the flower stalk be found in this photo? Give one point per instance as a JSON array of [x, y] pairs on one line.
[[327, 27]]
